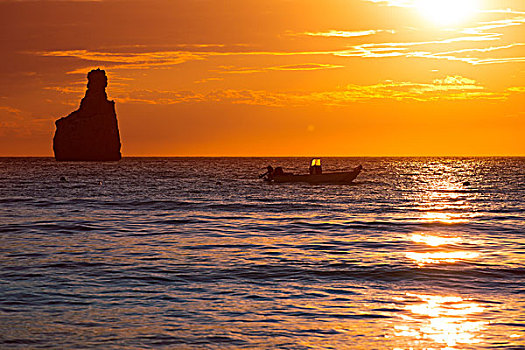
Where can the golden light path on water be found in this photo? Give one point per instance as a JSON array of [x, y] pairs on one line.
[[444, 320], [439, 321], [445, 200], [445, 218], [434, 241], [440, 257]]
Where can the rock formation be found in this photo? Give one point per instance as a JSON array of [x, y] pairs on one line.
[[91, 132]]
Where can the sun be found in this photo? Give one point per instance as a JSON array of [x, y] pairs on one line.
[[447, 12]]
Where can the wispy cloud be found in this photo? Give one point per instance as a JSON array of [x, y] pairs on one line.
[[414, 3], [130, 60], [447, 88], [406, 50], [206, 80], [484, 32], [484, 26], [518, 89], [11, 110], [291, 67], [433, 49], [17, 123], [481, 44], [159, 97], [307, 66], [347, 34], [466, 58], [164, 59], [429, 49], [398, 3]]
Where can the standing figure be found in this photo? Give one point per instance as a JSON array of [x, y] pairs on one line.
[[315, 167]]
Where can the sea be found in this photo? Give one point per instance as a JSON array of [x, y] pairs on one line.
[[199, 253]]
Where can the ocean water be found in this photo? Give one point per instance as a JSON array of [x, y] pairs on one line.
[[197, 253]]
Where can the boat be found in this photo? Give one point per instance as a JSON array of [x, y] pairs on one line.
[[316, 175]]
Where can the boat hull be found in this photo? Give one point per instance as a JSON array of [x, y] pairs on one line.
[[345, 177]]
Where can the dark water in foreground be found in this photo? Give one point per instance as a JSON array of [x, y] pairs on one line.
[[197, 253]]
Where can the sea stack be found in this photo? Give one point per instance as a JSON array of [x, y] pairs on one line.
[[91, 132]]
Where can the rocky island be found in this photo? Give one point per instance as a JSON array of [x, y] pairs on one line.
[[91, 132]]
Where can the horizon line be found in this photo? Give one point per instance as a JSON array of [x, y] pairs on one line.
[[294, 156]]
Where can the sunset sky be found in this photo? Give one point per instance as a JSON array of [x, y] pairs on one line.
[[272, 77]]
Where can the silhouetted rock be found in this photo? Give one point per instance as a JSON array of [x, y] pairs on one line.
[[91, 132]]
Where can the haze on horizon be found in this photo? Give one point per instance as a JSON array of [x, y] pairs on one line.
[[271, 78]]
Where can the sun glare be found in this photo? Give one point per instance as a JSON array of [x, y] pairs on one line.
[[434, 241], [445, 320], [423, 259], [447, 12]]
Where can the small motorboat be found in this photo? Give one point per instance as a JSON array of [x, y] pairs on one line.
[[316, 175]]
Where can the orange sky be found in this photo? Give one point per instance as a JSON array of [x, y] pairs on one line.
[[272, 77]]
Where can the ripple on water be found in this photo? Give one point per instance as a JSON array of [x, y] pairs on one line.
[[152, 252]]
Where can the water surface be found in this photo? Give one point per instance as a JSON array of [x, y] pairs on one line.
[[197, 253]]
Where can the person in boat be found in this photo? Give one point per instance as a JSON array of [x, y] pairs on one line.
[[271, 172], [315, 167], [278, 171], [268, 174]]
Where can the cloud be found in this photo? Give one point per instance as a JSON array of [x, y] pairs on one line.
[[17, 123], [382, 50], [456, 80], [10, 110], [432, 49], [347, 34], [129, 60], [303, 67], [483, 32], [291, 67], [467, 58], [397, 3], [481, 44], [414, 3], [517, 21], [158, 97], [518, 89], [167, 59], [483, 36], [447, 88], [205, 80], [71, 89]]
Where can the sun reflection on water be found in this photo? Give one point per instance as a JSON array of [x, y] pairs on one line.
[[447, 321], [442, 197], [434, 241], [440, 257], [444, 218]]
